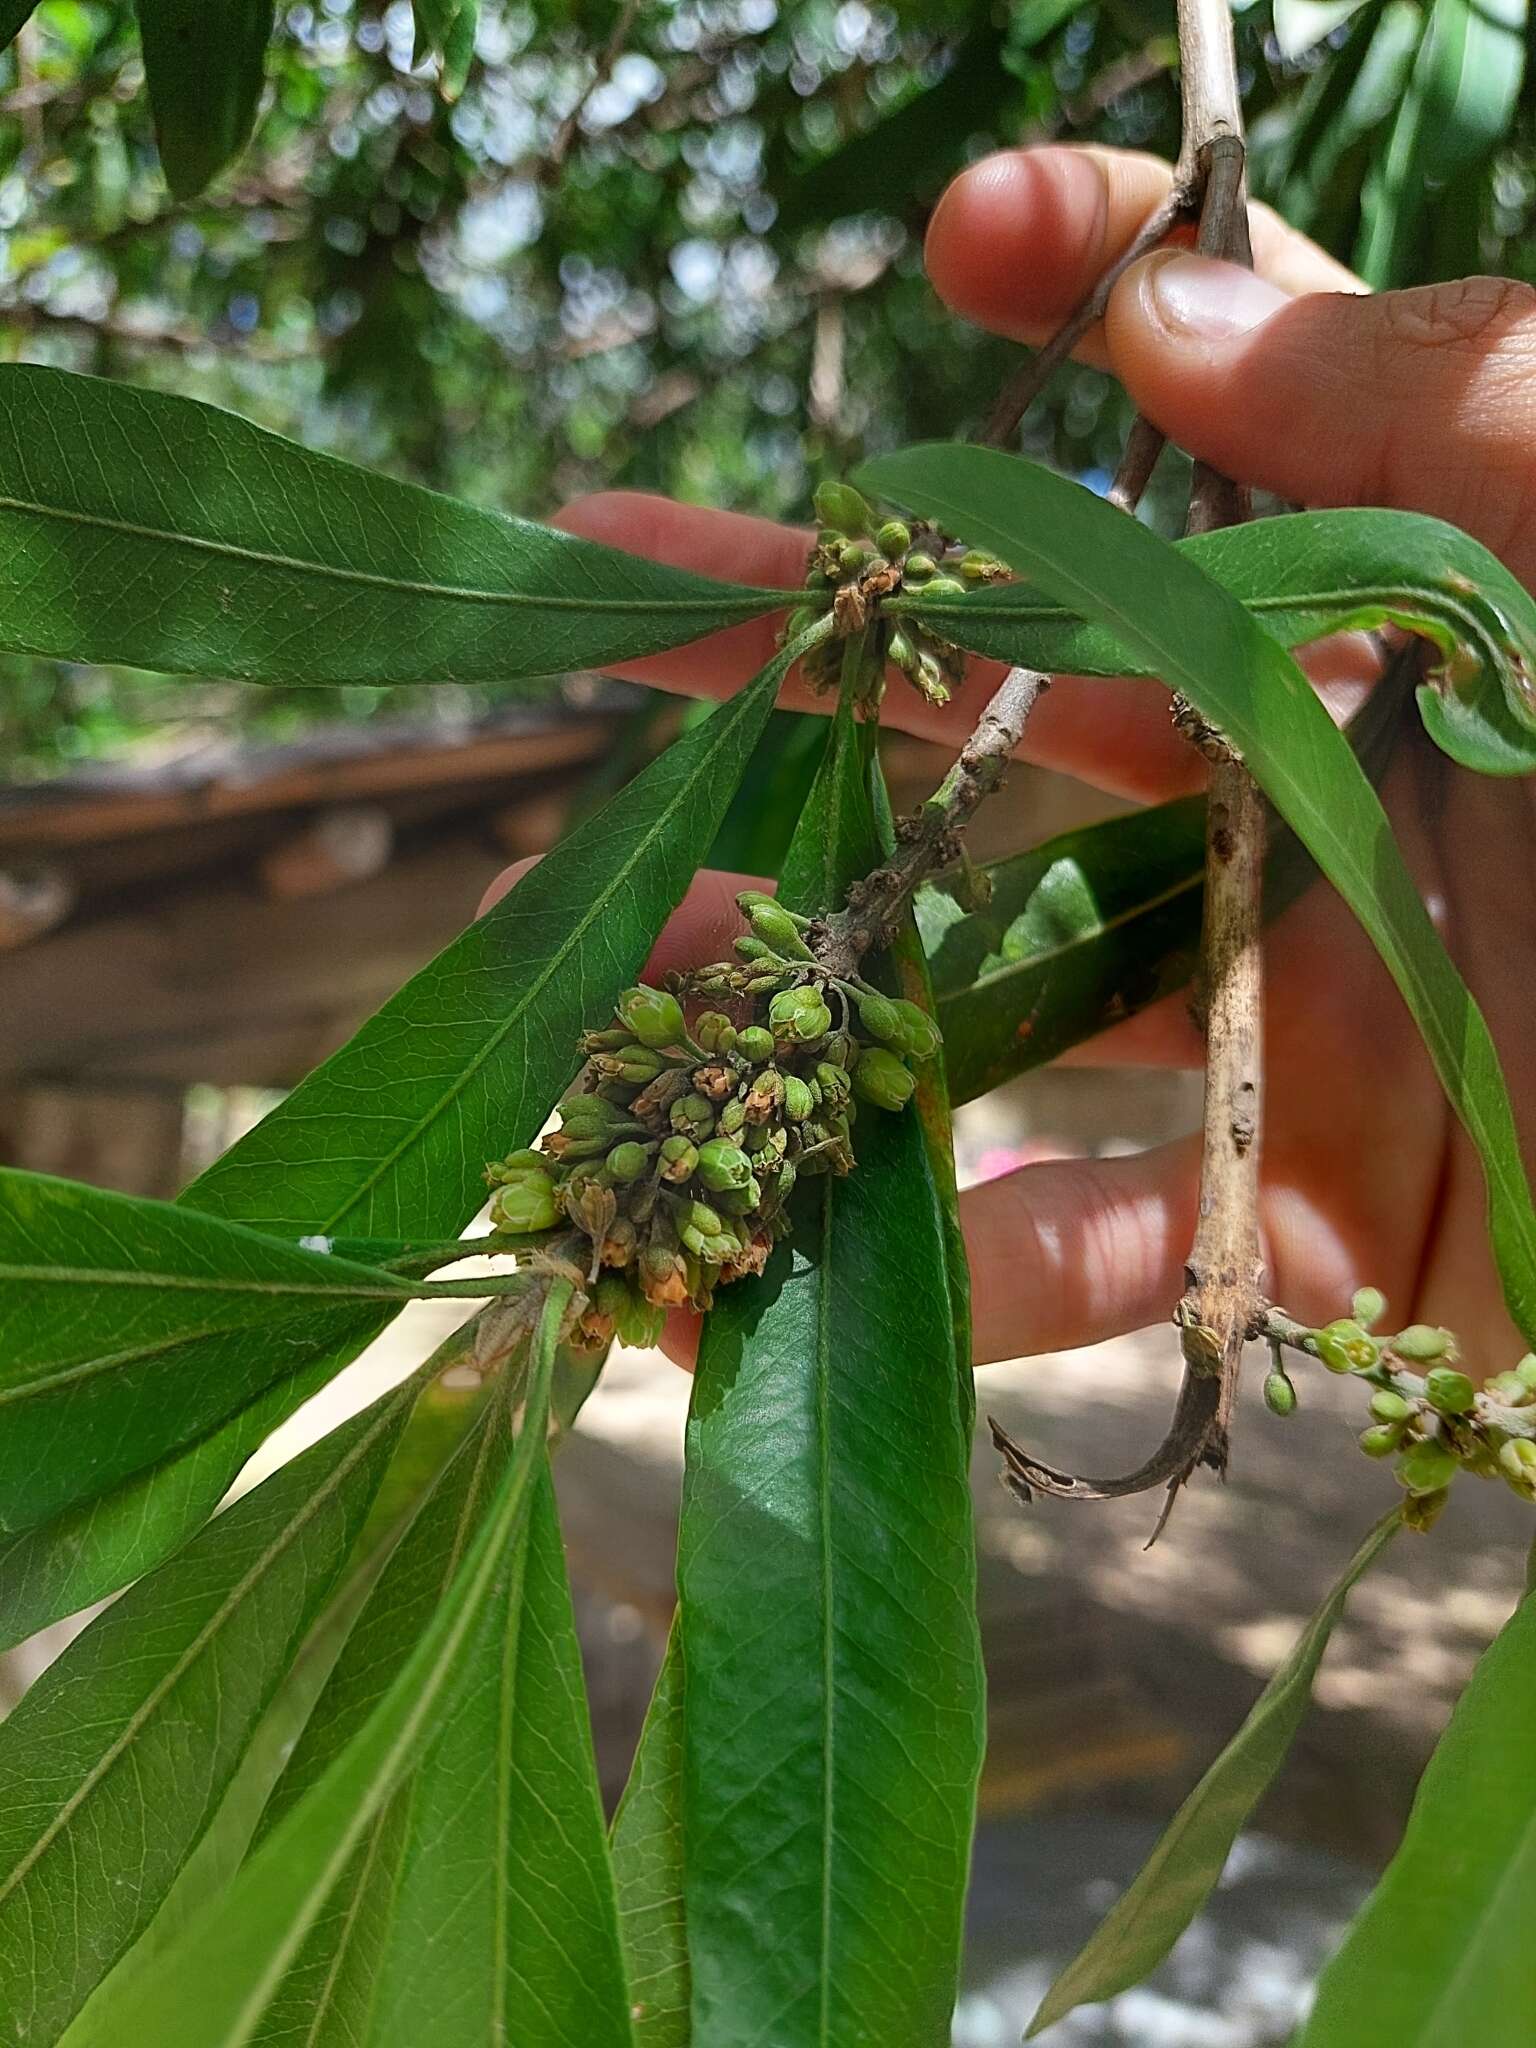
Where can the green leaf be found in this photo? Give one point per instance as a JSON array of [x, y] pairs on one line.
[[1174, 620], [76, 1558], [116, 1759], [390, 1137], [204, 68], [133, 1326], [1437, 1957], [143, 528], [648, 1867], [1094, 925], [1457, 109], [826, 1576], [503, 1919], [211, 1986], [391, 1134], [448, 27], [1185, 1867], [755, 832], [1309, 573]]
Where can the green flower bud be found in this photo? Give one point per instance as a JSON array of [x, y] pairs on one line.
[[755, 1045], [663, 1277], [1422, 1344], [765, 1098], [977, 567], [767, 1144], [1279, 1392], [677, 1158], [606, 1041], [772, 923], [893, 539], [1509, 1390], [526, 1204], [732, 1118], [753, 949], [592, 1116], [1525, 1371], [1421, 1511], [702, 1217], [929, 678], [883, 1079], [1449, 1391], [516, 1166], [834, 1084], [1517, 1462], [839, 505], [1381, 1439], [852, 558], [1344, 1347], [628, 1161], [655, 1017], [901, 652], [841, 1050], [1388, 1406], [918, 567], [919, 1035], [693, 1116], [637, 1066], [880, 1018], [798, 1103], [715, 1031], [1368, 1306], [799, 1014], [1425, 1467], [945, 586], [723, 1165], [638, 1322]]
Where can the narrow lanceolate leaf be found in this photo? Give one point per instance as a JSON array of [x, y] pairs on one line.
[[648, 1867], [76, 1558], [1092, 926], [448, 28], [204, 69], [1175, 621], [211, 1986], [133, 1326], [504, 1924], [390, 1137], [144, 528], [1437, 1958], [1185, 1867], [826, 1574], [114, 1762], [1311, 573]]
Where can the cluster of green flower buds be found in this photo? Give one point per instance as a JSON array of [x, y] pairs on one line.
[[684, 1135], [865, 562], [1426, 1413]]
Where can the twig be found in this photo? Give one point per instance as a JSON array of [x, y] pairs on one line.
[[1022, 391], [1143, 445], [1223, 1304], [929, 839]]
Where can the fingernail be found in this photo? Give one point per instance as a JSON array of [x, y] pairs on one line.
[[1197, 295]]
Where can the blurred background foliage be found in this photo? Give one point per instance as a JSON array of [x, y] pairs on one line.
[[670, 246]]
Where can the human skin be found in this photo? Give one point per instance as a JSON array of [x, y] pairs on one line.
[[1297, 382]]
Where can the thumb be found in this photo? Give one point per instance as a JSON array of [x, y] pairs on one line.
[[1423, 400]]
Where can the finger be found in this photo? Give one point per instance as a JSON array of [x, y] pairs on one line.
[[1019, 239], [1110, 731], [1424, 400]]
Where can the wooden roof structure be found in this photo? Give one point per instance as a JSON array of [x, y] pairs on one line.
[[233, 916]]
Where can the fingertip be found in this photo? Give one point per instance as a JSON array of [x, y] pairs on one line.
[[680, 1338], [1013, 237], [732, 547]]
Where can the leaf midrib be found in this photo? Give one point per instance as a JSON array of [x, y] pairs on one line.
[[747, 600]]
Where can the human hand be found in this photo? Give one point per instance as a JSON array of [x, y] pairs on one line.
[[1424, 400]]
